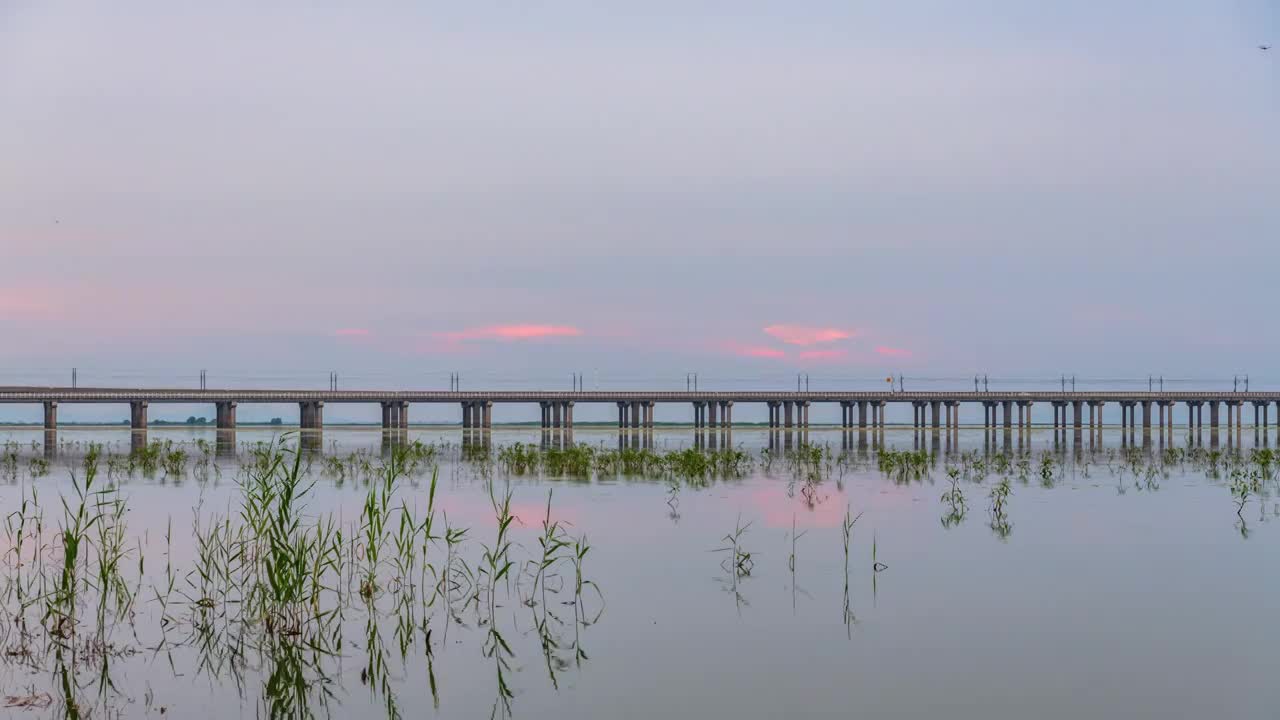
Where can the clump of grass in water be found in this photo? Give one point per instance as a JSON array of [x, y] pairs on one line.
[[954, 498], [373, 522], [1245, 483], [739, 562], [495, 561], [999, 518], [1047, 470], [903, 466], [846, 533], [95, 508]]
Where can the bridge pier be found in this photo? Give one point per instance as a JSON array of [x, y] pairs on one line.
[[50, 415], [726, 413], [635, 414], [788, 407], [1213, 416], [395, 415], [311, 415], [226, 415], [935, 414], [138, 415], [711, 414]]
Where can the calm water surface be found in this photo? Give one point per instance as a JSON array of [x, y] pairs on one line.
[[1124, 584]]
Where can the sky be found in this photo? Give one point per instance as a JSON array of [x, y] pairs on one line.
[[636, 191]]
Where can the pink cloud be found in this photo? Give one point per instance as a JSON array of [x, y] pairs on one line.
[[887, 351], [352, 332], [824, 354], [804, 335], [511, 332], [19, 302], [756, 351]]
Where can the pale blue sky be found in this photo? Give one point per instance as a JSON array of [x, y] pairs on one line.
[[1011, 187]]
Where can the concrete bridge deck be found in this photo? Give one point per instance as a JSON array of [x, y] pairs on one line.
[[935, 409]]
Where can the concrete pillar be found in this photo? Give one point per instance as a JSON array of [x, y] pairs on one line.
[[1146, 417], [466, 415], [50, 415], [386, 416], [138, 415], [1239, 423], [568, 413], [935, 407], [726, 413], [318, 414], [862, 413], [788, 408], [1213, 414], [225, 413], [649, 407], [556, 418], [486, 415], [635, 413], [711, 414]]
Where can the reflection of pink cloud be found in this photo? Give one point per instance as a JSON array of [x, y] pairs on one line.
[[824, 354], [892, 351], [511, 332], [776, 510], [759, 351], [351, 332], [804, 335]]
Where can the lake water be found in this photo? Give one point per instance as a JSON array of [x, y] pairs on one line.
[[1110, 581]]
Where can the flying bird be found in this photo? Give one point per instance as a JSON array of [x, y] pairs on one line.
[[1264, 47]]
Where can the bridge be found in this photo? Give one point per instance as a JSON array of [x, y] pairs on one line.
[[709, 409]]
